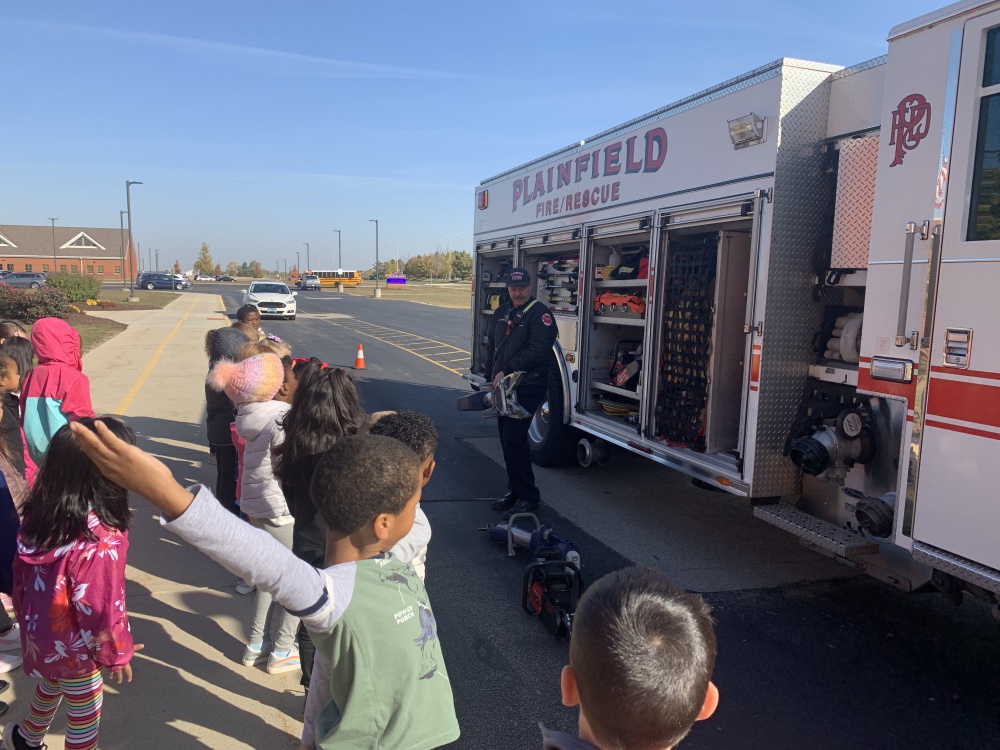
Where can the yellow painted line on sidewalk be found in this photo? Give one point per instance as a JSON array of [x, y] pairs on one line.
[[222, 303], [144, 375]]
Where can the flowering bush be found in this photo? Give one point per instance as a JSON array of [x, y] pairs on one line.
[[91, 302], [77, 288], [31, 304], [74, 309]]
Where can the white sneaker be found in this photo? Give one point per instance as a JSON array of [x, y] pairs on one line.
[[10, 662], [11, 640], [255, 653]]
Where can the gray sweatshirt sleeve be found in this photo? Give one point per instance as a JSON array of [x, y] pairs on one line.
[[258, 558], [412, 544]]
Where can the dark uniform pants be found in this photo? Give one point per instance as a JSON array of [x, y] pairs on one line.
[[516, 451]]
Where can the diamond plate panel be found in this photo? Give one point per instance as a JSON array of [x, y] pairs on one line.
[[959, 567], [852, 216], [791, 316], [815, 530]]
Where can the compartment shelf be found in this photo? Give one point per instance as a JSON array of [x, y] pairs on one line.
[[496, 285], [634, 395], [619, 283], [609, 320], [487, 312]]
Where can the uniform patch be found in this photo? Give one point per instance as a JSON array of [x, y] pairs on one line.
[[546, 319]]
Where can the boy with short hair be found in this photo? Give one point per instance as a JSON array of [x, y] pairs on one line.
[[368, 612], [416, 430], [641, 661]]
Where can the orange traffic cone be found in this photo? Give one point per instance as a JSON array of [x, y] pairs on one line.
[[359, 362]]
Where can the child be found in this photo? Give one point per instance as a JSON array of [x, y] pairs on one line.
[[57, 391], [19, 349], [250, 315], [640, 663], [222, 343], [417, 432], [265, 346], [261, 387], [69, 590], [325, 409], [11, 329], [368, 612], [10, 424]]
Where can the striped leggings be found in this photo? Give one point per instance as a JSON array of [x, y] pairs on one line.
[[84, 696]]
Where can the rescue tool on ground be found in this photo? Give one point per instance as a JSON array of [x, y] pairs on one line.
[[795, 273], [553, 582]]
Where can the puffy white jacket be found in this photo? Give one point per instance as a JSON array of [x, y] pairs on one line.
[[257, 424]]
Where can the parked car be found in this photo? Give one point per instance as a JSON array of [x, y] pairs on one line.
[[161, 281], [271, 298], [311, 282], [5, 274], [183, 281], [204, 277], [25, 280], [225, 278]]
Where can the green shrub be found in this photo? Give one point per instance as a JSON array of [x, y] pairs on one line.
[[77, 288], [31, 304]]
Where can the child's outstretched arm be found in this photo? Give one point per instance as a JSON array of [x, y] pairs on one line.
[[243, 550], [132, 468]]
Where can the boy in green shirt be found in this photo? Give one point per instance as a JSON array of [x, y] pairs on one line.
[[368, 612]]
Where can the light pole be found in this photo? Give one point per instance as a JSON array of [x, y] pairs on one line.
[[157, 259], [286, 269], [449, 236], [277, 269], [55, 262], [340, 258], [298, 264], [128, 206], [378, 292], [121, 224], [308, 265], [397, 245]]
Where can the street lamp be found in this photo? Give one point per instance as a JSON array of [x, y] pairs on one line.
[[157, 259], [121, 224], [308, 264], [449, 236], [298, 263], [55, 262], [397, 245], [340, 258], [286, 269], [128, 206], [378, 292]]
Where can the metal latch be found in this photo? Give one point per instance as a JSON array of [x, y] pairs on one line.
[[957, 347], [749, 328]]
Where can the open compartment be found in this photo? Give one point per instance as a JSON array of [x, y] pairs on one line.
[[553, 262], [617, 283], [492, 263], [701, 373]]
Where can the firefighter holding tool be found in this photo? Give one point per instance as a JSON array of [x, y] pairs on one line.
[[520, 339]]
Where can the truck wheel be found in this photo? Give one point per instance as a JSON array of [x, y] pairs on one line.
[[552, 442]]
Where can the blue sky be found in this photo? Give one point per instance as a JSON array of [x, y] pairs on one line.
[[258, 126]]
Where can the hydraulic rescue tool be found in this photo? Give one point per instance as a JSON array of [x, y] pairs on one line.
[[499, 400], [553, 582]]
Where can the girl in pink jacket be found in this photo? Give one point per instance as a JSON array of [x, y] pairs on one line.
[[69, 591]]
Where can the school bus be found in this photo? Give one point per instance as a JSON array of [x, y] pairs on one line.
[[331, 278]]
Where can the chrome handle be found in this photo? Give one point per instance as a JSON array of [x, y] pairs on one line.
[[912, 228]]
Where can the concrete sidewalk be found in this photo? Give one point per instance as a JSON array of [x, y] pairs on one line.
[[190, 689]]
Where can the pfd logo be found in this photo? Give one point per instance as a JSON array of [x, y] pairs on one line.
[[911, 121]]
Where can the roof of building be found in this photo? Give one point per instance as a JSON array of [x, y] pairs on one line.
[[71, 242]]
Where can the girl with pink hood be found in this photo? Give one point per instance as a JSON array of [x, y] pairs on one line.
[[56, 391]]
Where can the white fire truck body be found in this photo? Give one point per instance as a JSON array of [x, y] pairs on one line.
[[774, 286]]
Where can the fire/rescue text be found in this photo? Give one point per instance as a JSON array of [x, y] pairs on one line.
[[602, 162]]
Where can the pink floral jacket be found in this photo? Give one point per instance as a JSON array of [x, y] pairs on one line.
[[70, 602]]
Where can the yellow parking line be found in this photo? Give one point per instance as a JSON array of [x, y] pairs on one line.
[[433, 341], [137, 386], [403, 348]]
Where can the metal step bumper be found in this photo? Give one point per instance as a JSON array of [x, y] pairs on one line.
[[815, 530], [967, 570]]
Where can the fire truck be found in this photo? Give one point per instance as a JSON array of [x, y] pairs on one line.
[[786, 287]]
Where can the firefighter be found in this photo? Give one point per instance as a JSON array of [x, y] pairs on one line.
[[520, 339]]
